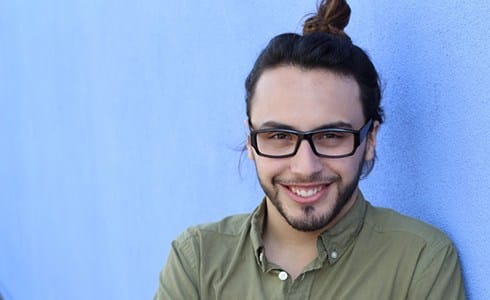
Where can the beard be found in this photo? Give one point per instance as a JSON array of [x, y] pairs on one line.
[[310, 219]]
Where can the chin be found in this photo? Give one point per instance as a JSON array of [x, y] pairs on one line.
[[316, 215], [311, 217]]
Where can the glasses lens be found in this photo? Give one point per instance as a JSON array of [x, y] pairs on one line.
[[334, 143], [276, 143]]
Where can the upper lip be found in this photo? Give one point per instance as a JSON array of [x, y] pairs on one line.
[[305, 185], [306, 188]]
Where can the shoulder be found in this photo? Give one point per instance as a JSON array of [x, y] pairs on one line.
[[390, 223], [230, 227], [421, 247]]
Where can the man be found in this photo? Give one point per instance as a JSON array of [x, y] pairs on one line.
[[313, 107]]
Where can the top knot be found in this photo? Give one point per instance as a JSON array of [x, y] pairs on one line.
[[332, 17]]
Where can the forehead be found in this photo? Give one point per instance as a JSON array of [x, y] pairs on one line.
[[306, 99]]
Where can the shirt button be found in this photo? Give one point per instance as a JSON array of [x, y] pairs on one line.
[[283, 275], [334, 254]]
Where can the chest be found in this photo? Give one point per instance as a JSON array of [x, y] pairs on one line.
[[356, 275]]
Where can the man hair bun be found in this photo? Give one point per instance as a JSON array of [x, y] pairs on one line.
[[332, 17]]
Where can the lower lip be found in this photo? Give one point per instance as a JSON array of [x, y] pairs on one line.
[[307, 200]]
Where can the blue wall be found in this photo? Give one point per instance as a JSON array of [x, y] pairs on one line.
[[120, 121]]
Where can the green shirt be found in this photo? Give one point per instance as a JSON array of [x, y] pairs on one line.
[[372, 253]]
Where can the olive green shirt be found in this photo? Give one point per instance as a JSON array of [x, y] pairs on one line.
[[372, 253]]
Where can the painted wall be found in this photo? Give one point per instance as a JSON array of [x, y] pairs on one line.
[[120, 123]]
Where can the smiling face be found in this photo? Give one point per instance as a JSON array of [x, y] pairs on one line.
[[309, 192]]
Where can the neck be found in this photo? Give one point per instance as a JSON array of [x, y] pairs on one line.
[[278, 230], [290, 249]]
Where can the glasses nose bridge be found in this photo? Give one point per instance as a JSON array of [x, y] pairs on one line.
[[309, 138]]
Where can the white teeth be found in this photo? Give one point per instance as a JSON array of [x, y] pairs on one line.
[[304, 192]]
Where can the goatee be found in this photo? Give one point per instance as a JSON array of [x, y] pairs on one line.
[[311, 220]]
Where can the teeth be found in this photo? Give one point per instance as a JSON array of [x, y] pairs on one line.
[[304, 192]]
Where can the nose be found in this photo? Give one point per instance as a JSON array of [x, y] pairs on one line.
[[305, 162]]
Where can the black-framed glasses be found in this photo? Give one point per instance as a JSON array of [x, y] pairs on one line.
[[329, 142]]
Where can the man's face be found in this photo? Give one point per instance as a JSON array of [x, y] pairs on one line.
[[306, 190]]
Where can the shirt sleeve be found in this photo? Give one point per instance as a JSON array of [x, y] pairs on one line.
[[179, 277], [438, 276]]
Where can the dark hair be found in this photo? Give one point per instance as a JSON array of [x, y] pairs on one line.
[[323, 45]]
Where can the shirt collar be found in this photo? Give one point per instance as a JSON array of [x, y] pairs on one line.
[[335, 240], [257, 228]]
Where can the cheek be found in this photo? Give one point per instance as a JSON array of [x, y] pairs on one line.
[[347, 167], [268, 167]]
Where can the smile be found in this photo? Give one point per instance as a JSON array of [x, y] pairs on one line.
[[307, 194], [306, 191]]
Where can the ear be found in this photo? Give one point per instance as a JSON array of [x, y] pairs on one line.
[[250, 150], [371, 142]]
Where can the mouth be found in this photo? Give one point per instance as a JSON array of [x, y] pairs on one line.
[[306, 194]]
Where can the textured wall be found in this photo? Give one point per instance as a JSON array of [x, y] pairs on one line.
[[120, 121]]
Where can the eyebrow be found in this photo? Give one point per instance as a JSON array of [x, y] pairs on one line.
[[278, 125]]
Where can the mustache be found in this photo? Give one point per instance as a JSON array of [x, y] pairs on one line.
[[311, 179]]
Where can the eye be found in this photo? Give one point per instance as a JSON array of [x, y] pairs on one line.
[[330, 135], [332, 138], [278, 135]]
